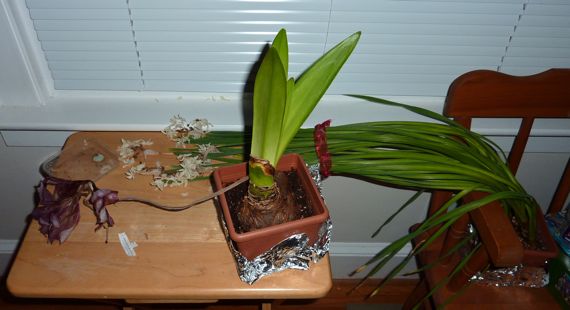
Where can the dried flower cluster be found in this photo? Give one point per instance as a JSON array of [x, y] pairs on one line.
[[132, 151], [183, 132], [191, 166]]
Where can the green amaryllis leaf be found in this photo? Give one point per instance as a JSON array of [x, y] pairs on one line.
[[269, 97], [312, 85], [282, 47]]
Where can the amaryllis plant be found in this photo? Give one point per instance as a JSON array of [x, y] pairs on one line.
[[281, 104]]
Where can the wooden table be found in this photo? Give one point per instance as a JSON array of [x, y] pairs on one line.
[[181, 256]]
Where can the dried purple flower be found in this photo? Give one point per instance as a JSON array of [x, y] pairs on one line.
[[58, 210], [59, 203], [99, 199]]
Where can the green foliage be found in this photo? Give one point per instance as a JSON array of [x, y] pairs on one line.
[[428, 156], [420, 156], [270, 95], [281, 105]]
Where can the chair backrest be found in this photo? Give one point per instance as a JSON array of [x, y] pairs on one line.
[[490, 94]]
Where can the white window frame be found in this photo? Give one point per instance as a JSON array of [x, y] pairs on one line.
[[29, 104], [52, 109]]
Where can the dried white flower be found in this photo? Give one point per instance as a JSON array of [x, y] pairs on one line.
[[158, 183], [129, 149], [205, 149], [200, 127], [191, 167], [134, 170], [180, 130], [177, 124], [165, 180]]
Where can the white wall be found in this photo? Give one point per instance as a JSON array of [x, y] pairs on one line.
[[20, 174]]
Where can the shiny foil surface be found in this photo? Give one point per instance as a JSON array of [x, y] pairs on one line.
[[519, 276], [291, 253]]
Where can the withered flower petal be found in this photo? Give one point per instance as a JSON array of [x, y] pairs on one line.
[[99, 199], [58, 211], [59, 206]]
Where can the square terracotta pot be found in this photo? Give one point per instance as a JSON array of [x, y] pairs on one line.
[[253, 243]]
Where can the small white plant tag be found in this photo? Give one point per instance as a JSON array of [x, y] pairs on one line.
[[127, 245]]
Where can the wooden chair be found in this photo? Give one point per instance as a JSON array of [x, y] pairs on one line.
[[489, 94]]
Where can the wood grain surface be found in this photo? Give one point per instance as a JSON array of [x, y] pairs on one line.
[[180, 255]]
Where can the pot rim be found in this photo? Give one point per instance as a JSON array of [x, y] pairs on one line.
[[318, 204]]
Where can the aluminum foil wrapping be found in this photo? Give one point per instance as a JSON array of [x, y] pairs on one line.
[[517, 276], [291, 253], [315, 172]]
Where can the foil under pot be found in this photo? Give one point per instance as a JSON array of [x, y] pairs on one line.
[[516, 276], [292, 253]]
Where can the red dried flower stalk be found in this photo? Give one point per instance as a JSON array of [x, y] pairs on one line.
[[321, 148]]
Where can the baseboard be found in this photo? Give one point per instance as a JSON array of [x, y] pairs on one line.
[[345, 257], [348, 256], [7, 248]]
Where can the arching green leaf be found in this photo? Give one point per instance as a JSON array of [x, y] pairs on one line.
[[312, 85]]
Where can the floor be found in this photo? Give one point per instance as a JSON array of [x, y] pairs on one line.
[[374, 307], [389, 298]]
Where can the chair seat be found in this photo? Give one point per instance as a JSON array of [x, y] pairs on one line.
[[477, 296]]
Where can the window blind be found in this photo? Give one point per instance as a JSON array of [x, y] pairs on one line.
[[541, 40], [408, 48]]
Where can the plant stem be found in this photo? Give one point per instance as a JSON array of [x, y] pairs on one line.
[[187, 206]]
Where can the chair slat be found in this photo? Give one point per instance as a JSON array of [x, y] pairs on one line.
[[519, 145]]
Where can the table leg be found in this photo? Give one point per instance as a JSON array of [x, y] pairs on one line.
[[266, 306]]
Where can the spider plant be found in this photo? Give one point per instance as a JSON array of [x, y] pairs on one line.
[[419, 155], [280, 106], [428, 156]]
